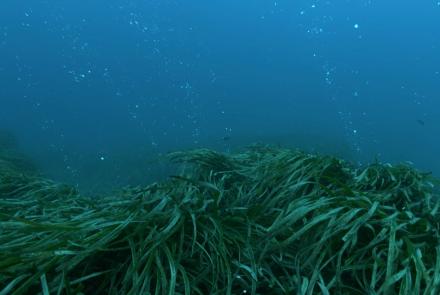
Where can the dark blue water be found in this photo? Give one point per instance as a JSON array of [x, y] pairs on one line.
[[95, 90]]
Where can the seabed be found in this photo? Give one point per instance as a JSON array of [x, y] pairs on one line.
[[262, 221]]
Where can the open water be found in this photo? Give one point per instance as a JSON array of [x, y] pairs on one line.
[[95, 92]]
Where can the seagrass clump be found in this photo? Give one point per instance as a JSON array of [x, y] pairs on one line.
[[12, 161], [263, 221]]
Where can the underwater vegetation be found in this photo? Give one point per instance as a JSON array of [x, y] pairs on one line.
[[262, 221], [11, 160]]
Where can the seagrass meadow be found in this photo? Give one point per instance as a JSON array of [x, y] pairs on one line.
[[263, 221]]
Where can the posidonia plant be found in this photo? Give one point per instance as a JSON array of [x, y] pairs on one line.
[[263, 221]]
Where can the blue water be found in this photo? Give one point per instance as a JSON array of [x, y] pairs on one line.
[[96, 91]]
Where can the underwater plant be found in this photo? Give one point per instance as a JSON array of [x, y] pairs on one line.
[[262, 221], [11, 160]]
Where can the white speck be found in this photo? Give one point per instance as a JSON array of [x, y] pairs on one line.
[[356, 26], [355, 131], [302, 12], [102, 158], [313, 5]]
